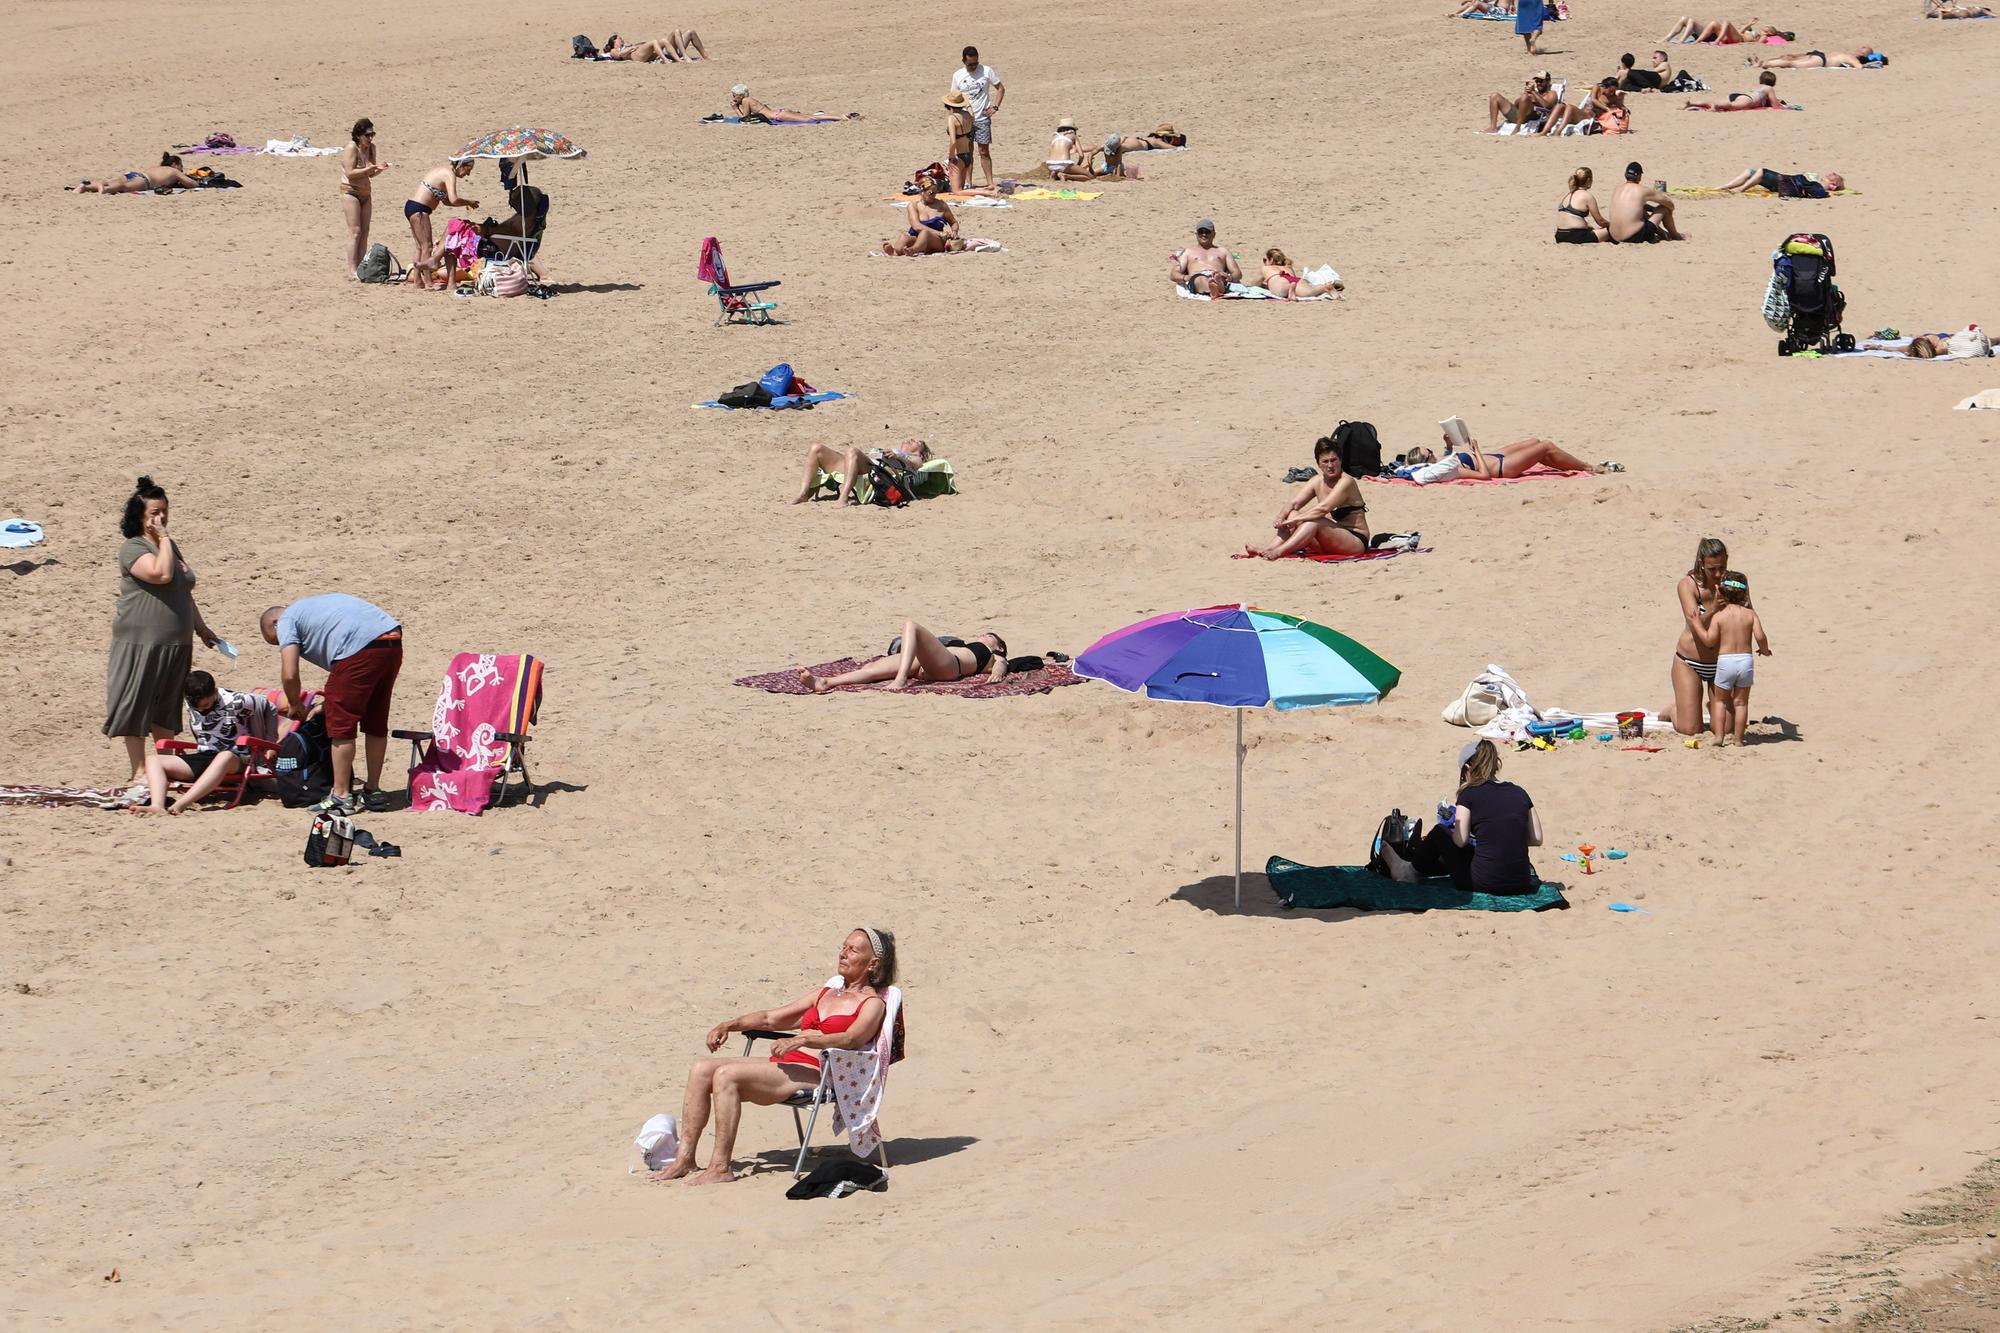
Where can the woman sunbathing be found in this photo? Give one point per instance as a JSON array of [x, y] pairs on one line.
[[1766, 96], [754, 109], [933, 226], [919, 655], [1603, 98], [1477, 464], [1857, 59], [1934, 10], [853, 465], [680, 44], [1325, 516], [1280, 281], [167, 176], [1723, 33], [846, 1018], [1780, 183]]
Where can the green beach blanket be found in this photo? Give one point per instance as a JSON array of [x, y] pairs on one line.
[[1360, 887], [934, 478]]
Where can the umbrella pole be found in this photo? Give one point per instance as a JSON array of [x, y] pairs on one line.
[[1239, 809]]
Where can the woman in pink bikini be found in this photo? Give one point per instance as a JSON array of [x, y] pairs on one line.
[[1282, 282], [846, 1018]]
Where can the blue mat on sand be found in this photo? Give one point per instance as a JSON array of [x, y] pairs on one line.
[[790, 400], [1361, 888]]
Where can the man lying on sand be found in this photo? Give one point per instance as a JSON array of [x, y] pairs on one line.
[[1797, 185], [1639, 213], [1859, 58], [1205, 268]]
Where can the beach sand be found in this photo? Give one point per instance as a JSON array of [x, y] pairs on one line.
[[400, 1094]]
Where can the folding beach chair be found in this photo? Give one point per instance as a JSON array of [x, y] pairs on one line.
[[263, 752], [523, 248], [810, 1100], [735, 301], [478, 738]]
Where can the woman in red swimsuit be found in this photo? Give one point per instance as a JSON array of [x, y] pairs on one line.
[[846, 1018]]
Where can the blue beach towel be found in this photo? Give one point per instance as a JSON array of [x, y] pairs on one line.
[[1361, 888], [790, 400]]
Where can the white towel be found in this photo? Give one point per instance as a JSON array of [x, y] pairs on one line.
[[1239, 292], [20, 532], [860, 1078], [299, 146], [1990, 398]]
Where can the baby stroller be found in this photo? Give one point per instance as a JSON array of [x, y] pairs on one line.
[[1803, 271]]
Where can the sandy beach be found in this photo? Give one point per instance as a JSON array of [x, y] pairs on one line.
[[399, 1094]]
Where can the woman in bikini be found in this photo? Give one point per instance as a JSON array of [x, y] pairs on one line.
[[1325, 516], [1578, 219], [1699, 593], [843, 1018], [1478, 464], [958, 128], [853, 464], [919, 655], [680, 44], [933, 226], [1858, 59], [439, 186], [358, 168], [1280, 281], [167, 176], [754, 110], [1765, 96]]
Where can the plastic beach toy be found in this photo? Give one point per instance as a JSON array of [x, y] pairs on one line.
[[1627, 907]]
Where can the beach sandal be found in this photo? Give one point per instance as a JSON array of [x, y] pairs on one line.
[[374, 800]]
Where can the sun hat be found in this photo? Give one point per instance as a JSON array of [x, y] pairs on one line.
[[955, 98], [1066, 123], [740, 90], [1164, 127], [1205, 224]]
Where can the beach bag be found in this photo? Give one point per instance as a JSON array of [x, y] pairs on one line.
[[777, 381], [581, 49], [509, 279], [330, 841], [892, 482], [1777, 304], [1969, 342], [1360, 448], [753, 394], [1397, 834], [1477, 706], [1615, 121], [378, 265], [303, 766]]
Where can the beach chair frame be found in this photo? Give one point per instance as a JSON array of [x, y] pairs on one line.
[[806, 1102], [517, 752]]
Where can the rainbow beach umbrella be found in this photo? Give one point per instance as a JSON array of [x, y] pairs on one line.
[[1238, 657]]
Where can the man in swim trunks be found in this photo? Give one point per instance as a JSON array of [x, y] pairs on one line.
[[983, 95], [1205, 268], [1537, 99], [1638, 213]]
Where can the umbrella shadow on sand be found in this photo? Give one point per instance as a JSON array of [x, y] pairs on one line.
[[1217, 894], [23, 568]]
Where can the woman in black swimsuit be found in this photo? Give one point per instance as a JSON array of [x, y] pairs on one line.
[[920, 655], [1699, 591], [1578, 220], [1325, 516]]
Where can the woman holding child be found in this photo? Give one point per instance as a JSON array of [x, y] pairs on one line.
[[1699, 592], [151, 633]]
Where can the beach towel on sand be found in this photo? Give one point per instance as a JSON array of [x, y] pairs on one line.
[[484, 695], [974, 245], [788, 400], [1048, 677], [1892, 349], [1539, 472], [1384, 554], [1361, 888], [934, 478], [774, 124], [18, 795]]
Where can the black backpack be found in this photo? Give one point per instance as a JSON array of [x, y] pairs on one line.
[[1399, 832], [1360, 450], [581, 49], [893, 483], [304, 765], [752, 394]]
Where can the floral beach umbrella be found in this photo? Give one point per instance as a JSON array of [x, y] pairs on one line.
[[519, 143], [1238, 657]]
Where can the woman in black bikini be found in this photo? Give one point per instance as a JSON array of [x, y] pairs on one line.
[[922, 656], [1578, 220], [1325, 516], [439, 186], [1700, 592]]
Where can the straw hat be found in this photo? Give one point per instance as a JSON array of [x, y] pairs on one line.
[[1066, 123], [955, 99], [1164, 127]]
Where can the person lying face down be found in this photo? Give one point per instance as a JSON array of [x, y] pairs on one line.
[[1205, 268], [166, 176]]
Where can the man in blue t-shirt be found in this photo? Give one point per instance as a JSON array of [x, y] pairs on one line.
[[360, 647]]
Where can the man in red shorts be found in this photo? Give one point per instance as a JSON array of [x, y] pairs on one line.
[[360, 647]]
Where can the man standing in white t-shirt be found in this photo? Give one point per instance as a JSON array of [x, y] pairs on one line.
[[983, 95]]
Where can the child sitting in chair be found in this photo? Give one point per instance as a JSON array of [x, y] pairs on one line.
[[218, 718]]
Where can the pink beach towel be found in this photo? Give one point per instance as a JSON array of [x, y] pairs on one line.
[[461, 239], [1539, 472], [484, 696]]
